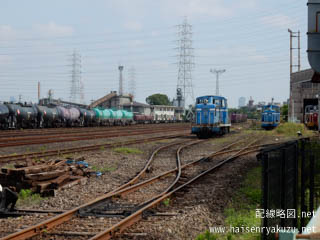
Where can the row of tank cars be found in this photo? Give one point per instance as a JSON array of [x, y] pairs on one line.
[[16, 116]]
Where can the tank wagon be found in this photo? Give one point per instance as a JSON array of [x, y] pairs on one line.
[[211, 117], [270, 117], [4, 115], [47, 117], [311, 116], [87, 117], [22, 116]]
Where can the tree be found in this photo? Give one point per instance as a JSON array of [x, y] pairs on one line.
[[284, 112], [158, 99]]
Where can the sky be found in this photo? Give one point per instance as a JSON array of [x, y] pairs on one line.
[[248, 38]]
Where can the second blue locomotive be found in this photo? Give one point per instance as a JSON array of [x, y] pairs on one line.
[[211, 116], [270, 117]]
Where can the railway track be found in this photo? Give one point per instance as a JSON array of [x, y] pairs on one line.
[[49, 131], [122, 211], [63, 151], [68, 137]]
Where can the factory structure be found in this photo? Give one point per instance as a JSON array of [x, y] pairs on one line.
[[122, 101], [303, 92]]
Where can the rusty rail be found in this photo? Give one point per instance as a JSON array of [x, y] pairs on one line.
[[133, 218], [41, 154], [83, 136], [120, 191]]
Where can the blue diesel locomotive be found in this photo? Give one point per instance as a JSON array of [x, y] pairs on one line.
[[270, 117], [211, 117]]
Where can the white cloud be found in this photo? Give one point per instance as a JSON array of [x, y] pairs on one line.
[[206, 8], [279, 20], [133, 26], [195, 8], [52, 29], [7, 32], [6, 60]]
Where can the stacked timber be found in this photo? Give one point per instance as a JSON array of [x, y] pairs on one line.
[[45, 177]]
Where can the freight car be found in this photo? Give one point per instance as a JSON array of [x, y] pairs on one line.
[[47, 117], [311, 116], [238, 117], [270, 117], [4, 116], [22, 116], [87, 118], [211, 117]]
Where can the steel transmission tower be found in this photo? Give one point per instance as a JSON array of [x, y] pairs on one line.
[[185, 62], [75, 77], [132, 81], [217, 72], [82, 92]]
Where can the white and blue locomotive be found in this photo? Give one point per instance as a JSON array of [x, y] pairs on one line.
[[270, 117], [211, 117]]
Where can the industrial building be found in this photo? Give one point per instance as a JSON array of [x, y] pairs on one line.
[[303, 92], [242, 102]]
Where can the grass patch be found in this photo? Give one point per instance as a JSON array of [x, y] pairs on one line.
[[166, 202], [126, 150], [26, 197], [104, 169], [9, 165], [291, 129], [241, 212]]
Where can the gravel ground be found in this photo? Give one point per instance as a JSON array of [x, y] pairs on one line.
[[194, 214]]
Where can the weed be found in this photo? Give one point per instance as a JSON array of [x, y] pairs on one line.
[[241, 212], [291, 129], [42, 149], [126, 150], [102, 148], [27, 198], [166, 202], [11, 166], [206, 236]]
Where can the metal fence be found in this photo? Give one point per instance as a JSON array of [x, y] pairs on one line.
[[291, 177]]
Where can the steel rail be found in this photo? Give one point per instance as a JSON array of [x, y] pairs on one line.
[[57, 220], [41, 154], [81, 132], [55, 139], [48, 131], [133, 218]]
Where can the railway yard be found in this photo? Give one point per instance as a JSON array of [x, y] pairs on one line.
[[149, 182]]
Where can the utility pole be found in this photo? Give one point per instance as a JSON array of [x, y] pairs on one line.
[[294, 35], [185, 62], [75, 77], [217, 72], [298, 65]]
